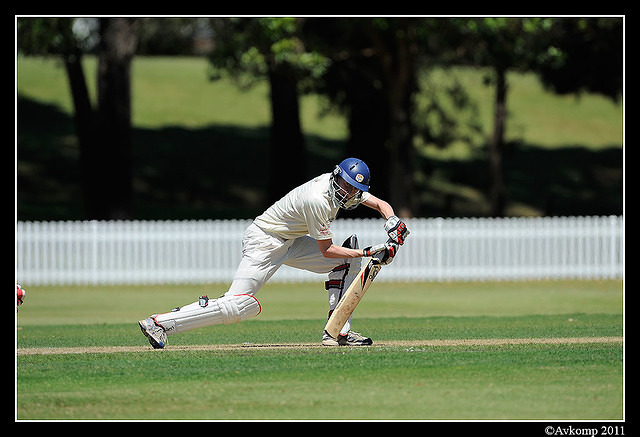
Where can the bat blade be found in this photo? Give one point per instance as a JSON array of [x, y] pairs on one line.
[[352, 297]]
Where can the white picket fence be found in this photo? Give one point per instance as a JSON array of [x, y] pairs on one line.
[[208, 251]]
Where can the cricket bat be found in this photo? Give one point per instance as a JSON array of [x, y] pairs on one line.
[[352, 297]]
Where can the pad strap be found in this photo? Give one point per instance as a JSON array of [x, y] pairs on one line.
[[334, 283], [337, 283]]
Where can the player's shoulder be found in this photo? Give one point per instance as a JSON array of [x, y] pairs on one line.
[[321, 180], [316, 195], [318, 187], [315, 186]]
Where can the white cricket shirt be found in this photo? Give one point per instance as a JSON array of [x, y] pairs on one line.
[[307, 209]]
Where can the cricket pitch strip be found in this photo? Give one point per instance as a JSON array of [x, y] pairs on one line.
[[301, 346]]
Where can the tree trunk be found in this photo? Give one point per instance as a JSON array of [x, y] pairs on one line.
[[401, 86], [368, 133], [395, 55], [497, 195], [86, 132], [288, 156], [111, 158]]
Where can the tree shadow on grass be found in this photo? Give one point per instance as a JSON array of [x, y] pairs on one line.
[[568, 180], [221, 172], [214, 172], [563, 181]]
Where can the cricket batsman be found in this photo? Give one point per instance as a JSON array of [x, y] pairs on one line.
[[294, 231]]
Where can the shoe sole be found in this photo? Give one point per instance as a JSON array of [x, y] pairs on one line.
[[334, 342], [368, 342], [154, 343]]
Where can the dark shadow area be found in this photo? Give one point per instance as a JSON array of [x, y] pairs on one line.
[[564, 181], [216, 172], [48, 176], [568, 180], [221, 172]]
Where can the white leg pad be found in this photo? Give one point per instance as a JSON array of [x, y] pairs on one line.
[[341, 277], [224, 310]]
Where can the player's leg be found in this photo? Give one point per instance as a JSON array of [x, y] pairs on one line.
[[261, 253], [225, 310], [304, 254]]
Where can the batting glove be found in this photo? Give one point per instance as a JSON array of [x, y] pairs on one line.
[[388, 250], [396, 229], [389, 255]]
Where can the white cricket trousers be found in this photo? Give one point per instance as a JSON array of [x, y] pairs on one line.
[[262, 255]]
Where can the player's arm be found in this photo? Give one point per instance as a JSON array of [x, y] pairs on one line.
[[395, 228], [330, 250], [379, 205]]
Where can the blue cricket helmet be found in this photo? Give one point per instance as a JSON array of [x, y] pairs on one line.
[[356, 172]]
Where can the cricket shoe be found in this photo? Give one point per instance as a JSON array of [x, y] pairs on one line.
[[154, 332], [351, 339]]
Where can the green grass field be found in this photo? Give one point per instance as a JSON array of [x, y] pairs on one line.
[[175, 91], [510, 366]]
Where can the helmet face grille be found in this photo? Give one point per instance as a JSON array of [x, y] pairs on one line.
[[343, 198]]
